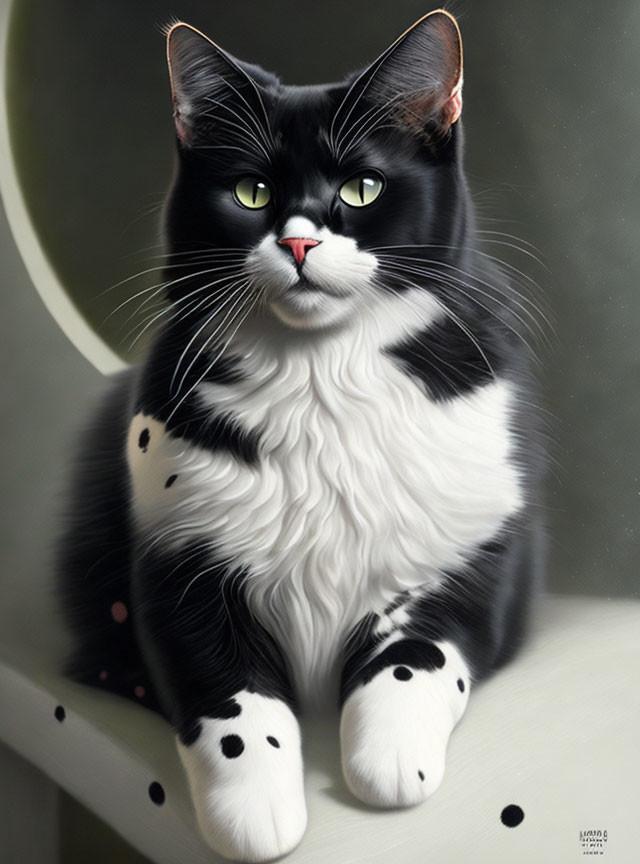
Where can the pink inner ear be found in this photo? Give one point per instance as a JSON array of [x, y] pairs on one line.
[[454, 106], [181, 129]]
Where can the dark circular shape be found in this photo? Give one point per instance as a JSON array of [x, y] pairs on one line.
[[512, 816], [156, 793], [461, 685], [402, 673], [232, 746], [421, 775], [170, 481], [143, 440], [273, 741], [59, 713]]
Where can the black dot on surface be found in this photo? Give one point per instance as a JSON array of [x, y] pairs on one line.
[[273, 741], [59, 713], [170, 481], [156, 793], [461, 685], [143, 440], [512, 816], [402, 673], [421, 775], [232, 746]]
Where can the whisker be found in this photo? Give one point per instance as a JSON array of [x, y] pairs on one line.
[[236, 293], [165, 285], [268, 141], [241, 127], [216, 358], [456, 320], [181, 313], [429, 273], [504, 293]]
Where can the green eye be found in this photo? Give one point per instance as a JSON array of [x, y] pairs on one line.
[[252, 193], [360, 191]]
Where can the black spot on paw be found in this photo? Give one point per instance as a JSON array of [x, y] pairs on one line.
[[232, 746], [227, 709], [60, 714], [512, 816], [413, 652], [156, 793], [143, 440], [461, 685], [421, 775], [170, 481], [273, 741], [402, 673]]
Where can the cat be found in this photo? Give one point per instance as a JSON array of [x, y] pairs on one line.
[[322, 487]]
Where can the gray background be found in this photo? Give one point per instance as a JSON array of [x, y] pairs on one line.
[[552, 124]]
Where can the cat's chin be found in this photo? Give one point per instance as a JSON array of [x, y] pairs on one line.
[[310, 310]]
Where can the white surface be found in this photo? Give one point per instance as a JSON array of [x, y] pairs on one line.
[[555, 733]]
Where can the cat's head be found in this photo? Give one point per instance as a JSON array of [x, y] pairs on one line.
[[304, 194]]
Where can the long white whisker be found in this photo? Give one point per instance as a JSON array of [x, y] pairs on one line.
[[165, 285], [235, 293], [504, 293], [443, 278], [182, 312], [456, 320], [216, 358], [252, 116], [242, 126]]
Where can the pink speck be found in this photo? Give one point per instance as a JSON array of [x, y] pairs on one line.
[[139, 691], [119, 612], [103, 675]]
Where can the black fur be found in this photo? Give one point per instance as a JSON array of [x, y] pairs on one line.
[[203, 643]]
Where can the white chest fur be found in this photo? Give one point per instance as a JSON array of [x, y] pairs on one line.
[[364, 487]]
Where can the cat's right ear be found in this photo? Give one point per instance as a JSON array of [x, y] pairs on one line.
[[204, 78]]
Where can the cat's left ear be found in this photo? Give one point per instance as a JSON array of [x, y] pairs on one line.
[[417, 81], [205, 82]]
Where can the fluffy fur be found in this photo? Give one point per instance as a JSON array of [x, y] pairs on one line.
[[321, 487]]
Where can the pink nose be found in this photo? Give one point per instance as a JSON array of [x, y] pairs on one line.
[[299, 246]]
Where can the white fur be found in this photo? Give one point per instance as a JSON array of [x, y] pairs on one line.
[[390, 729], [252, 807], [364, 487], [392, 621]]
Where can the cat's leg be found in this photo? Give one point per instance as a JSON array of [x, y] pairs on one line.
[[408, 673], [224, 684], [399, 710]]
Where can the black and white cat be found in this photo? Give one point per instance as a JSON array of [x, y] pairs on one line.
[[321, 488]]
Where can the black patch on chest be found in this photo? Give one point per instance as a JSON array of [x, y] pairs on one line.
[[447, 360], [172, 400], [222, 432]]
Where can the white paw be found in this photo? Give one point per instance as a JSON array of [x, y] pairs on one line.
[[394, 731], [246, 780]]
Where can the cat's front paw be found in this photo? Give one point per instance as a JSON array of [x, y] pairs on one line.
[[394, 732], [246, 779]]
